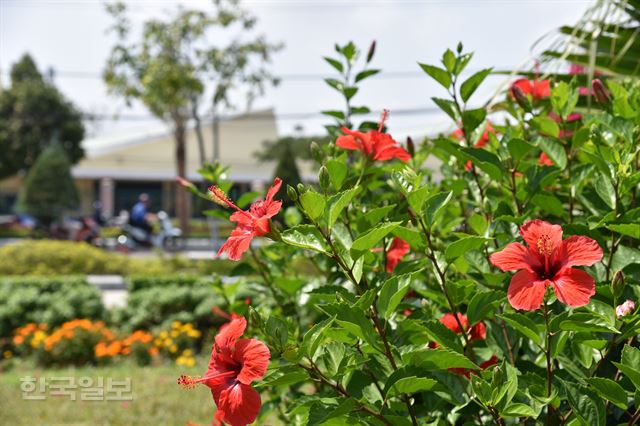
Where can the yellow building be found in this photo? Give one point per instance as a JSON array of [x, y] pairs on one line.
[[116, 169]]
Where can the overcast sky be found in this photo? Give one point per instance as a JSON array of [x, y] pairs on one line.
[[70, 37]]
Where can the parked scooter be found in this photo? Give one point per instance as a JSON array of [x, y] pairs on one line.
[[133, 238]]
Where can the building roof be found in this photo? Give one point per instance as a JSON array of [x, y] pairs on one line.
[[148, 154]]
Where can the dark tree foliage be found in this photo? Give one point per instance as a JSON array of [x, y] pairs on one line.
[[32, 113], [49, 190]]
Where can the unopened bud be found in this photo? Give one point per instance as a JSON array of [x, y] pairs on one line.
[[617, 285], [372, 51], [411, 148], [183, 182], [256, 320], [301, 188], [521, 98], [325, 180], [291, 192], [459, 48], [316, 152], [600, 92]]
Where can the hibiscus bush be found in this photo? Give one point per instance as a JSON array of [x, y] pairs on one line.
[[500, 287]]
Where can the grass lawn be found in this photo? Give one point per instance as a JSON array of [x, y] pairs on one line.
[[156, 397]]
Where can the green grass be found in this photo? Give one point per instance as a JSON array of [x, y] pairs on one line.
[[157, 398]]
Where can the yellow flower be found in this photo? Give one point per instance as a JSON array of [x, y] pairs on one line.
[[163, 334], [190, 362], [173, 349], [194, 334], [187, 352], [176, 324], [174, 334], [7, 354], [167, 342]]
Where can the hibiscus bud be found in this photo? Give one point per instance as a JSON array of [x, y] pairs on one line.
[[301, 188], [291, 192], [411, 148], [256, 320], [625, 309], [459, 48], [600, 92], [185, 183], [617, 285], [372, 50], [521, 98], [325, 180], [316, 152]]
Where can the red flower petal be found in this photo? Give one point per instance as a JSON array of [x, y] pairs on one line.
[[449, 321], [580, 251], [574, 287], [230, 333], [541, 89], [523, 84], [347, 142], [254, 356], [238, 405], [399, 248], [541, 236], [238, 242], [277, 182], [526, 291], [514, 257], [479, 331]]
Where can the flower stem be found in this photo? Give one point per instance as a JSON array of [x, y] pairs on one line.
[[547, 351]]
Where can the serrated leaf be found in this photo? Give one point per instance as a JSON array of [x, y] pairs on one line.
[[482, 304], [314, 337], [337, 173], [391, 294], [554, 150], [472, 83], [518, 148], [438, 74], [372, 237], [338, 202], [434, 204], [524, 326], [364, 74], [448, 106], [609, 390], [313, 204], [409, 385], [306, 237], [334, 63], [587, 406], [439, 359], [519, 410], [629, 229], [472, 118], [460, 247]]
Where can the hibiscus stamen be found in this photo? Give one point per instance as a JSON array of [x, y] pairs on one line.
[[189, 382], [383, 118], [545, 245], [219, 197]]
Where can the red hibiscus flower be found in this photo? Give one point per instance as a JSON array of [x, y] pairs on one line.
[[374, 144], [538, 89], [477, 332], [546, 262], [235, 363], [399, 248], [544, 160], [252, 223]]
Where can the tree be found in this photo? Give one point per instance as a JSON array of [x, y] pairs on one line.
[[32, 113], [49, 189], [166, 70]]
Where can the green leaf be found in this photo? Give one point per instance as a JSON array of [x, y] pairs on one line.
[[449, 60], [587, 405], [364, 74], [409, 385], [472, 118], [353, 320], [289, 285], [609, 390], [438, 74], [587, 322], [629, 229], [306, 237], [433, 206], [416, 198], [313, 204], [546, 126], [524, 326], [371, 238], [482, 304], [336, 114], [374, 216], [322, 412], [439, 359], [518, 148], [463, 245], [563, 99], [338, 202], [449, 107], [392, 293], [485, 161], [604, 189], [315, 336], [554, 150], [283, 379], [334, 63], [337, 172], [442, 335], [518, 409], [472, 83]]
